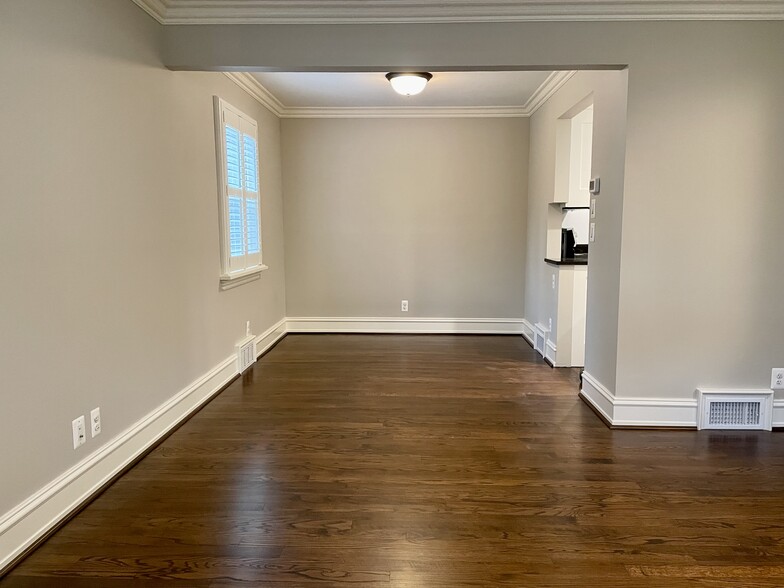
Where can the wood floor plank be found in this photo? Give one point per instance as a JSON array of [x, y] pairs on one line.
[[404, 461]]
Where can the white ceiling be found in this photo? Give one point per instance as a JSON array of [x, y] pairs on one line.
[[484, 89], [405, 11]]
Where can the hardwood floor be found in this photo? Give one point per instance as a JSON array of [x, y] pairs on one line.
[[428, 462]]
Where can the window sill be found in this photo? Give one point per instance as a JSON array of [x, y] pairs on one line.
[[227, 282]]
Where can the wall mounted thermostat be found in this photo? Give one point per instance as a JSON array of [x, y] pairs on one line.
[[593, 185]]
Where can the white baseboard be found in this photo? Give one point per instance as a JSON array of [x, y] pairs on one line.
[[490, 326], [25, 524], [778, 413], [639, 412], [269, 337], [550, 352], [598, 396], [528, 331]]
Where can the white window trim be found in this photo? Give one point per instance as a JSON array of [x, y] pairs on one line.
[[231, 279]]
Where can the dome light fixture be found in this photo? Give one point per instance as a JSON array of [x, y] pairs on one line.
[[409, 83]]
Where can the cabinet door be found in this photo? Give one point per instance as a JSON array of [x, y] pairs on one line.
[[563, 142], [581, 146]]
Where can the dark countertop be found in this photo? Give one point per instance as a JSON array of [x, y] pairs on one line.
[[582, 260]]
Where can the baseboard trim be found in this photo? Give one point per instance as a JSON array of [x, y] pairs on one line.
[[31, 522], [271, 337], [528, 331], [479, 326], [27, 525], [598, 397], [778, 413], [639, 413], [550, 353]]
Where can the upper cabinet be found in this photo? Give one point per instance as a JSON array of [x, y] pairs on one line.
[[580, 158], [573, 147]]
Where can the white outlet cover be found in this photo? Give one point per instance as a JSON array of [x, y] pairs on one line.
[[777, 379], [79, 432], [404, 305], [592, 235], [95, 422]]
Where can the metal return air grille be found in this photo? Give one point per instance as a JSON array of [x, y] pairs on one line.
[[246, 353], [734, 413], [735, 409]]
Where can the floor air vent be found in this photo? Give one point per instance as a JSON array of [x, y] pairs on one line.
[[737, 409], [246, 353]]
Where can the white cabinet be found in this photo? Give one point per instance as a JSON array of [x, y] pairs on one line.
[[563, 141], [573, 150], [567, 340], [581, 147]]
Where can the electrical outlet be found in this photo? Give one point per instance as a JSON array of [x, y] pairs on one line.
[[404, 305], [777, 379], [593, 207], [78, 429], [592, 233], [95, 422], [553, 281]]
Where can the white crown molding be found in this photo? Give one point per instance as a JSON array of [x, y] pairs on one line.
[[549, 87], [408, 112], [155, 8], [445, 11], [252, 86]]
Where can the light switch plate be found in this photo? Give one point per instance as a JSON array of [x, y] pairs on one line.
[[592, 233], [593, 207], [79, 433]]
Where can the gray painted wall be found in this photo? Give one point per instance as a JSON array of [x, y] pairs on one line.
[[699, 302], [607, 89], [701, 291], [109, 230], [428, 210], [126, 306]]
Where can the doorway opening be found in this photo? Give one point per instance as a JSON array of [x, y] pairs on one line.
[[569, 233]]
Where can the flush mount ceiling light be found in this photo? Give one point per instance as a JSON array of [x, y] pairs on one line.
[[409, 83]]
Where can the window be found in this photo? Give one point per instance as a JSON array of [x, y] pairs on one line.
[[238, 177]]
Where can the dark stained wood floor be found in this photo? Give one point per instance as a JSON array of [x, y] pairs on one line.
[[427, 462]]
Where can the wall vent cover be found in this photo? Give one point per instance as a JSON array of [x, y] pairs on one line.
[[735, 409], [540, 338], [246, 353]]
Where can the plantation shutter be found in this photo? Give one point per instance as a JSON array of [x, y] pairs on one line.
[[250, 159], [240, 191]]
